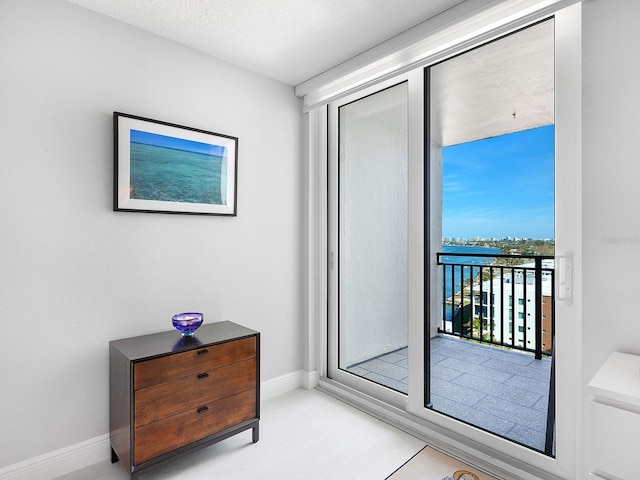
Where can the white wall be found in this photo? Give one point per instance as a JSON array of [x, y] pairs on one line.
[[73, 273], [611, 181]]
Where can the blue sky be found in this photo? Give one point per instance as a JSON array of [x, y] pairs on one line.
[[501, 186], [175, 143]]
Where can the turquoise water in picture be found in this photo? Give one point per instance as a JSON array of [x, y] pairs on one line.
[[174, 175]]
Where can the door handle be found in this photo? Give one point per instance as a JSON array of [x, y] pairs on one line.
[[564, 265]]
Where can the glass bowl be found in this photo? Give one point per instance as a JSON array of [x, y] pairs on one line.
[[187, 323]]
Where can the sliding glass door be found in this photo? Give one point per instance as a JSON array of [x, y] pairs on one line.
[[368, 258], [464, 343], [491, 116]]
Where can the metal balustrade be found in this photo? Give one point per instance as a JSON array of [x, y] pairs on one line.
[[499, 299]]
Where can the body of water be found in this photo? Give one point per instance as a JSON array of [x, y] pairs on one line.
[[170, 175], [468, 249], [462, 275]]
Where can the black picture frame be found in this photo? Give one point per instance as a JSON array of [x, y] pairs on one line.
[[161, 167]]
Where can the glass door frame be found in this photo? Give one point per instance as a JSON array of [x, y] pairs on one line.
[[387, 395]]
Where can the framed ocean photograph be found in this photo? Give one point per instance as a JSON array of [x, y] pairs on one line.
[[160, 167]]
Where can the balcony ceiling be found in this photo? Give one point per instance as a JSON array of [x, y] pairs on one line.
[[502, 87], [287, 40]]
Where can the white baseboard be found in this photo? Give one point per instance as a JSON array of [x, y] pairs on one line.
[[75, 457], [60, 462], [286, 383], [310, 379]]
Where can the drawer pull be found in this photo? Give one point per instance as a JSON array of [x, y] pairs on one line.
[[203, 409], [202, 352], [203, 375]]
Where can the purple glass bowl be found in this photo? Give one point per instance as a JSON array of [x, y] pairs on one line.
[[187, 323]]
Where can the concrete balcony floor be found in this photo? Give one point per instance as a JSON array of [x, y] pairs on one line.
[[503, 391]]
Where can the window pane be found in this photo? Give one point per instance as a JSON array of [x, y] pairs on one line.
[[373, 204]]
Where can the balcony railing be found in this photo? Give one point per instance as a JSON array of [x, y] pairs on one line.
[[505, 300]]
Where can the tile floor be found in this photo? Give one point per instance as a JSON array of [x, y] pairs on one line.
[[304, 434], [504, 392]]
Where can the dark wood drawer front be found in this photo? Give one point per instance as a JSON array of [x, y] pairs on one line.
[[160, 401], [170, 367], [163, 436]]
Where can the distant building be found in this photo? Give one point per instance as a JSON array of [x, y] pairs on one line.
[[509, 295]]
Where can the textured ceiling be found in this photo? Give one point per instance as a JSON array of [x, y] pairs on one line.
[[287, 40]]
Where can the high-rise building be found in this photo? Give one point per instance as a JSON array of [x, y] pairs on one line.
[[504, 307]]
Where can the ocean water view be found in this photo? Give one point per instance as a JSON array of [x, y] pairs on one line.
[[172, 175], [468, 249], [460, 276]]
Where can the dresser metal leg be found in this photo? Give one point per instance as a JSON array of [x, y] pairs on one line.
[[114, 456], [256, 433]]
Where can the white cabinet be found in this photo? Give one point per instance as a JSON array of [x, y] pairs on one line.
[[614, 413]]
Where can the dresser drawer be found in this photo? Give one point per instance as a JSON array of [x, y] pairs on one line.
[[166, 399], [163, 369], [163, 436]]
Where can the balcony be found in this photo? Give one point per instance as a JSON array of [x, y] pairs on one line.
[[499, 299], [491, 362], [503, 392]]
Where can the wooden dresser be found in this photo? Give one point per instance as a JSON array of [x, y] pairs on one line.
[[171, 395]]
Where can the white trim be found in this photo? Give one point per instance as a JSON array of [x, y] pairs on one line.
[[310, 380], [462, 27], [316, 253], [59, 462], [75, 457], [285, 383], [568, 126], [322, 259], [416, 239]]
